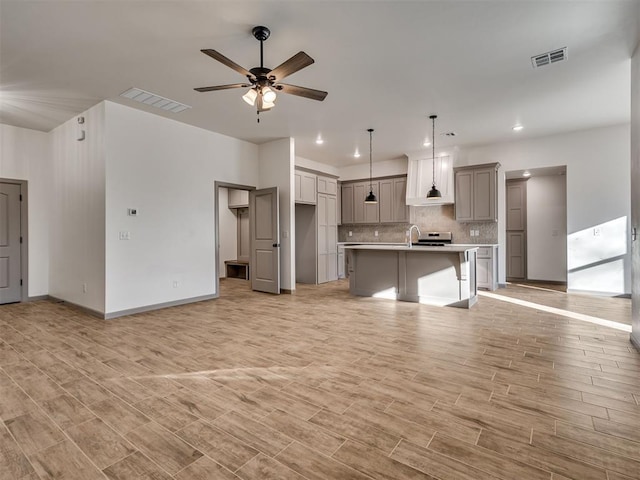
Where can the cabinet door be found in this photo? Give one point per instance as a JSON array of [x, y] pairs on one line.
[[360, 191], [400, 209], [371, 210], [484, 194], [308, 188], [385, 201], [483, 269], [327, 185], [347, 203], [321, 231], [464, 195], [298, 186]]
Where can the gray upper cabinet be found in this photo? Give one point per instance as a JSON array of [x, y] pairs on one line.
[[347, 202], [305, 185], [327, 185], [363, 212], [393, 207], [476, 193]]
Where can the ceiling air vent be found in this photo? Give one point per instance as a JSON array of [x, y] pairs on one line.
[[154, 100], [549, 57]]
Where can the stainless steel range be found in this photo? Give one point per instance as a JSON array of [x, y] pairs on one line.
[[434, 239]]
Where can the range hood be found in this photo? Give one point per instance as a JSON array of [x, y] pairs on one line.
[[420, 177]]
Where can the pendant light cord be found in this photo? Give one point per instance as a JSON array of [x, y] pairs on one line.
[[370, 160], [433, 148]]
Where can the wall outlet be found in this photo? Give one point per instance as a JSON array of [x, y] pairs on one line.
[[472, 233], [125, 236], [176, 284], [285, 234], [350, 233], [477, 233], [375, 234], [597, 231]]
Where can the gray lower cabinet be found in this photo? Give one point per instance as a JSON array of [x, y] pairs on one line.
[[476, 193], [327, 231], [487, 267]]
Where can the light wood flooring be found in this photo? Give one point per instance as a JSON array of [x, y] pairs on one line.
[[320, 385]]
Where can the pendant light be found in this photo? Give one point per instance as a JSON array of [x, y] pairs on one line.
[[434, 192], [371, 198]]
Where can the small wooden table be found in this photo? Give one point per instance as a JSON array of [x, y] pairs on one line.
[[237, 269]]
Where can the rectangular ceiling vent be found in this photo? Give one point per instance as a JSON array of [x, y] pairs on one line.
[[154, 100], [549, 57]]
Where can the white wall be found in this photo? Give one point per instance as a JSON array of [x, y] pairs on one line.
[[317, 166], [379, 169], [277, 163], [597, 161], [25, 155], [547, 228], [635, 190], [228, 235], [77, 206], [167, 170]]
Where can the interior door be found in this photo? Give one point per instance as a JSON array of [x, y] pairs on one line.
[[265, 240], [10, 255], [516, 229]]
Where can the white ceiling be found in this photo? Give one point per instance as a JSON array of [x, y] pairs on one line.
[[387, 65]]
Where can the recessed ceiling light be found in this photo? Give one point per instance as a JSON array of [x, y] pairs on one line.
[[356, 154], [526, 173], [517, 128], [426, 143], [319, 140]]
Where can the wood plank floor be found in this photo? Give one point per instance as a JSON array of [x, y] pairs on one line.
[[321, 385]]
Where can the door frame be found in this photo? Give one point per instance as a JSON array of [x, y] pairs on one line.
[[24, 233], [216, 225]]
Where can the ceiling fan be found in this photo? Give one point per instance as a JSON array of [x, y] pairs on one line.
[[264, 82]]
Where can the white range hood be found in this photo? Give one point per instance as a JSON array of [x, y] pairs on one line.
[[420, 177]]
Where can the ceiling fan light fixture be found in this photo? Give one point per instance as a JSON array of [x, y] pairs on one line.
[[250, 96], [268, 95]]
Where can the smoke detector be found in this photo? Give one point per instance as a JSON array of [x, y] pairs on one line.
[[548, 58]]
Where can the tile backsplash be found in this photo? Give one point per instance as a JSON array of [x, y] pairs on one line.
[[439, 218]]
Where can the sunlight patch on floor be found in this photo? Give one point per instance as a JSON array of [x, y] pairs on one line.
[[559, 311]]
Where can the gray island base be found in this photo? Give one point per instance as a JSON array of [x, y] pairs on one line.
[[443, 276]]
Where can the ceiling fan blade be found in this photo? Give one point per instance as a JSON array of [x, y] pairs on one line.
[[302, 91], [228, 62], [222, 87], [295, 63]]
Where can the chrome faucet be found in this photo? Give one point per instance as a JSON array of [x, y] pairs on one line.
[[410, 231]]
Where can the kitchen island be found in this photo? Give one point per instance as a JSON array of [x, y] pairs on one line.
[[432, 275]]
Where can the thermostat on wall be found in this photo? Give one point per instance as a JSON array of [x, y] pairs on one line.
[[132, 212]]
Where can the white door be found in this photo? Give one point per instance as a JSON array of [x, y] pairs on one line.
[[10, 257], [265, 240]]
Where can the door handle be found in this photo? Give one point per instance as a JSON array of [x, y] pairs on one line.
[[275, 245]]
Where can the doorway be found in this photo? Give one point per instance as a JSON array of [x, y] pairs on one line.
[[13, 241], [536, 225], [232, 232]]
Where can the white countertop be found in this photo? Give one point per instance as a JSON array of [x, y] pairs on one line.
[[403, 247]]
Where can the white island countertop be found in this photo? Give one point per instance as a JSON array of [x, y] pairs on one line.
[[400, 247]]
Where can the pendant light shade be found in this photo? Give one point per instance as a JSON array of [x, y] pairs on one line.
[[250, 96], [371, 198], [434, 192]]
